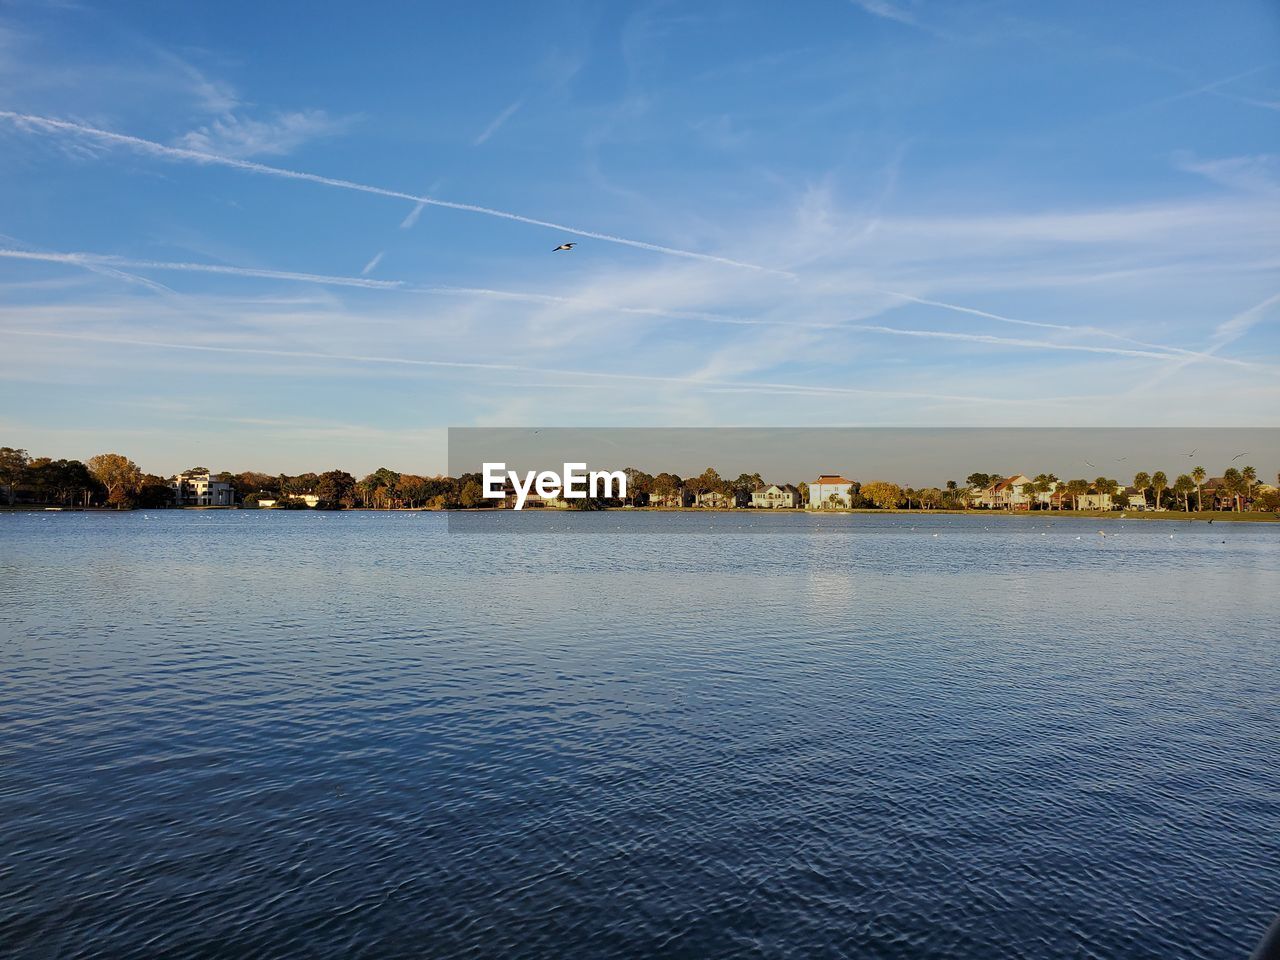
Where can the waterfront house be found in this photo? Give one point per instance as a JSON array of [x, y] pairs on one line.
[[830, 490], [715, 500], [1135, 499], [198, 488], [676, 498], [1006, 494], [775, 497]]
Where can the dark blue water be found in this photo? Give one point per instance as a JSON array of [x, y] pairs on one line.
[[317, 735]]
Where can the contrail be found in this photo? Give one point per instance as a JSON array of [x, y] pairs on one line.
[[1014, 342], [1069, 328], [737, 385], [92, 260], [1226, 333], [25, 121]]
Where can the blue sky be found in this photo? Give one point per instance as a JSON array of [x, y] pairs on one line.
[[832, 214]]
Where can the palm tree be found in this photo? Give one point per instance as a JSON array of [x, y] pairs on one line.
[[1198, 475], [1045, 483], [1158, 483], [1250, 477], [1141, 482], [1029, 490], [1182, 487], [1076, 489], [1105, 488], [1233, 483]]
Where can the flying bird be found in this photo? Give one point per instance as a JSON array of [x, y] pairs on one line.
[[1094, 465], [1192, 453], [565, 246], [1238, 456]]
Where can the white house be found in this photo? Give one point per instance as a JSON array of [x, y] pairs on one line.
[[776, 497], [827, 486], [197, 488]]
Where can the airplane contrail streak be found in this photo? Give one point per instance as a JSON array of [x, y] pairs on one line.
[[26, 121]]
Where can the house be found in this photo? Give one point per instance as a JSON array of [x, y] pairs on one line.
[[197, 488], [716, 501], [1006, 494], [676, 498], [310, 499], [1093, 500], [775, 497], [1135, 499], [830, 491]]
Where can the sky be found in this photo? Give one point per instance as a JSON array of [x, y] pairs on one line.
[[299, 236]]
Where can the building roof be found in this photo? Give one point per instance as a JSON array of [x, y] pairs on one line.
[[831, 478]]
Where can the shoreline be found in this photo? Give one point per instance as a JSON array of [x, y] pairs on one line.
[[1205, 516]]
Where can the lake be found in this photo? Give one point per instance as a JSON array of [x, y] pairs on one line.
[[250, 733]]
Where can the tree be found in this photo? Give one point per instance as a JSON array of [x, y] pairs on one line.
[[336, 489], [885, 496], [639, 484], [665, 486], [1250, 477], [930, 498], [1077, 489], [1233, 484], [1182, 487], [1046, 483], [472, 494], [1106, 488], [13, 469], [118, 474], [1141, 483], [1198, 475], [1159, 482], [1030, 490], [154, 492]]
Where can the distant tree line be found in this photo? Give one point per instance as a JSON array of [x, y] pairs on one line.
[[113, 480]]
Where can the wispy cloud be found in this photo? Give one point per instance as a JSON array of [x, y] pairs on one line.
[[496, 123], [598, 375], [372, 264], [236, 136], [886, 11], [49, 125], [1259, 173], [91, 261]]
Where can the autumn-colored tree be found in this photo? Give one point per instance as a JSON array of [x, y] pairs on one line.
[[118, 474], [336, 489], [884, 495]]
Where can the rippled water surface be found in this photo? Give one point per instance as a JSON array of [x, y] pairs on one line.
[[343, 735]]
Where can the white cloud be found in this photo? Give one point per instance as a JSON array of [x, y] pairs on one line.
[[1259, 173], [235, 136]]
